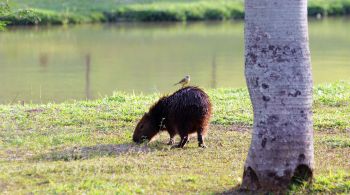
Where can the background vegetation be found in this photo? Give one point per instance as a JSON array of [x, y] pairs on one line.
[[85, 146], [74, 11], [4, 9]]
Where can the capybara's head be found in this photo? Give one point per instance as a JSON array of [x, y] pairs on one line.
[[145, 129]]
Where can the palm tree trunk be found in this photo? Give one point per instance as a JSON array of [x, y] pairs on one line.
[[278, 75]]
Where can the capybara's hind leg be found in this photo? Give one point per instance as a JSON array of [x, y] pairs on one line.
[[201, 138]]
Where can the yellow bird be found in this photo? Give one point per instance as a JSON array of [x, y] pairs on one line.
[[185, 81]]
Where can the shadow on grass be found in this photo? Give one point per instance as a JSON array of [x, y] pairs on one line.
[[239, 191], [87, 152], [236, 190]]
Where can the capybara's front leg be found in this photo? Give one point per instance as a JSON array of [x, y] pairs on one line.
[[172, 133], [171, 140], [182, 143], [201, 139]]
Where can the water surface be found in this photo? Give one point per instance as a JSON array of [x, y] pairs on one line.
[[55, 64]]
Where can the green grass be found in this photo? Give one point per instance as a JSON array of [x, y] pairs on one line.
[[74, 11], [85, 146], [335, 141], [329, 183]]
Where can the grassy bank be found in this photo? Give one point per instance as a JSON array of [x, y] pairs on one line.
[[85, 146], [66, 11]]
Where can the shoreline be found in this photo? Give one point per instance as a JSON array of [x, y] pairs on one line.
[[157, 12]]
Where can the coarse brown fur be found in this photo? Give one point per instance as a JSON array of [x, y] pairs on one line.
[[186, 111]]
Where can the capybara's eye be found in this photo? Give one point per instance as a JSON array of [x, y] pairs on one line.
[[141, 126]]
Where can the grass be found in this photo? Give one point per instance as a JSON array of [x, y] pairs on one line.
[[74, 11], [85, 146]]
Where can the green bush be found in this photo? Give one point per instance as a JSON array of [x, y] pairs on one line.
[[36, 16], [216, 13], [4, 9], [236, 11], [336, 9], [176, 12], [194, 13], [97, 17], [347, 7], [330, 8], [23, 17], [156, 15], [314, 10]]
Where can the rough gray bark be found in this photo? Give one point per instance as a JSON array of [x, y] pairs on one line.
[[278, 75]]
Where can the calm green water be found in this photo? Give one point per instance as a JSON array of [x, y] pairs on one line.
[[55, 64]]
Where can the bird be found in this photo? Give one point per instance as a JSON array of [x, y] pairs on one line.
[[185, 81]]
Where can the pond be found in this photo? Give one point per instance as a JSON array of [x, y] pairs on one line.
[[62, 63]]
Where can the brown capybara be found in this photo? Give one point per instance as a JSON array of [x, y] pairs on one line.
[[186, 111]]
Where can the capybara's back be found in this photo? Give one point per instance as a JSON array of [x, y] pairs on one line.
[[186, 111], [189, 109]]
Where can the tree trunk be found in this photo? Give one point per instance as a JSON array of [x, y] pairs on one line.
[[278, 75]]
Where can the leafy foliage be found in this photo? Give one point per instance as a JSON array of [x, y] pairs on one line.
[[4, 9], [74, 11]]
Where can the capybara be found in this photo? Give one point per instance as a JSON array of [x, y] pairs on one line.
[[186, 111]]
